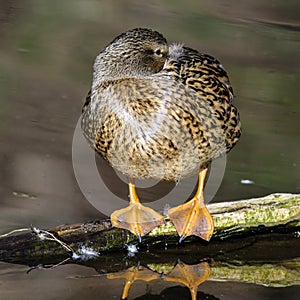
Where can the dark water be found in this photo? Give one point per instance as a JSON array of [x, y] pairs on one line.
[[46, 54]]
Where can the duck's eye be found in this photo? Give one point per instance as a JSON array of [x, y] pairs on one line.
[[158, 52]]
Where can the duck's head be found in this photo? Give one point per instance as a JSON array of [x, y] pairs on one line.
[[134, 53]]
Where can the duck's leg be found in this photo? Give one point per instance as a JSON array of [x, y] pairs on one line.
[[136, 217], [192, 217]]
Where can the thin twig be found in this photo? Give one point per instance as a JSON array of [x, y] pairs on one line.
[[15, 231], [44, 235]]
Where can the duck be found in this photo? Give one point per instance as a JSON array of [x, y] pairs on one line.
[[160, 111]]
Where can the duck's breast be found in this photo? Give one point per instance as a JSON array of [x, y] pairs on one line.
[[153, 128]]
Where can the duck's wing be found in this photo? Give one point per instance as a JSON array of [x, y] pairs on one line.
[[200, 72], [87, 101], [206, 76]]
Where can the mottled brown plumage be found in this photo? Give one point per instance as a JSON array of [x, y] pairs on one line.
[[159, 111]]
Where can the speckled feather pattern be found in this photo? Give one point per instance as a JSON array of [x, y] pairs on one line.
[[166, 125]]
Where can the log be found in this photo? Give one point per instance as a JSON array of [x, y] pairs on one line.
[[245, 231], [237, 218]]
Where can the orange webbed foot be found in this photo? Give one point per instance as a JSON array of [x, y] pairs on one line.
[[192, 217], [136, 218]]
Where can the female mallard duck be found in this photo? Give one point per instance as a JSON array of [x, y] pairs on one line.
[[163, 112]]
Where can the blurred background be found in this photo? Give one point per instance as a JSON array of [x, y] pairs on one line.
[[47, 50]]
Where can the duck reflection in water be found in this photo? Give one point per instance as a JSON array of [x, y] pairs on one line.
[[190, 276], [176, 293]]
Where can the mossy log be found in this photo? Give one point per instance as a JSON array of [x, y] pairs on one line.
[[276, 211], [245, 232], [273, 212]]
